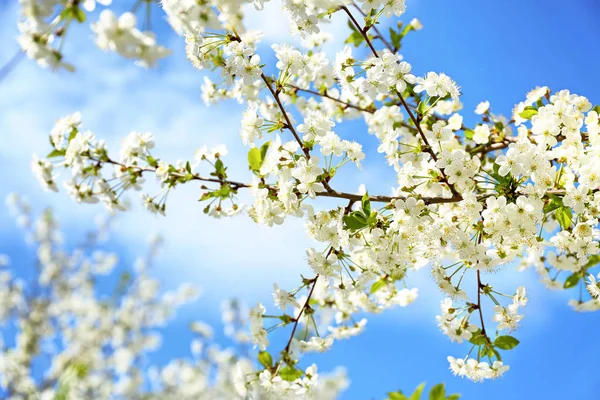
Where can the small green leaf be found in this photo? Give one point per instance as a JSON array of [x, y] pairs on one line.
[[290, 374], [377, 286], [506, 342], [396, 396], [422, 107], [454, 396], [73, 134], [469, 133], [276, 127], [555, 202], [153, 162], [254, 159], [396, 38], [263, 151], [416, 395], [572, 280], [372, 220], [220, 169], [188, 167], [478, 339], [496, 353], [564, 216], [592, 260], [366, 204], [355, 220], [351, 26], [265, 359], [528, 112], [56, 153], [79, 15], [438, 392]]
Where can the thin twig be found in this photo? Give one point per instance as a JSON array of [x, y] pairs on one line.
[[428, 148], [11, 65], [285, 115]]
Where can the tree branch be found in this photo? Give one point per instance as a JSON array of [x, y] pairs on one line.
[[11, 65], [428, 148], [287, 119]]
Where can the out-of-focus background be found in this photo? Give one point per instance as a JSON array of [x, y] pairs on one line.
[[496, 51]]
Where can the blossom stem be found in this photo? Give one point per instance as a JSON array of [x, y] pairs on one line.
[[297, 321], [428, 147], [290, 126], [11, 65]]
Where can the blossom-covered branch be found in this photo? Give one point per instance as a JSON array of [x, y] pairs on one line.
[[466, 200]]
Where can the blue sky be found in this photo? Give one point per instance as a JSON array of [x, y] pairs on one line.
[[496, 51]]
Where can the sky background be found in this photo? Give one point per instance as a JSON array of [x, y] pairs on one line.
[[496, 51]]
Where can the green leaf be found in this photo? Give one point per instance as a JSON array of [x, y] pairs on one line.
[[355, 39], [416, 395], [220, 169], [497, 354], [290, 374], [454, 396], [265, 359], [153, 162], [506, 342], [572, 280], [478, 339], [438, 392], [188, 167], [73, 134], [469, 133], [377, 286], [79, 15], [421, 107], [254, 159], [355, 220], [396, 38], [596, 108], [372, 220], [555, 202], [396, 396], [351, 26], [56, 153], [528, 112], [366, 204], [263, 151], [564, 216], [592, 260]]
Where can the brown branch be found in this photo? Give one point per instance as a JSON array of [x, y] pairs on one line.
[[11, 65], [312, 281], [388, 199], [347, 104], [331, 193], [427, 148], [479, 302], [361, 30], [374, 27], [193, 177], [287, 118]]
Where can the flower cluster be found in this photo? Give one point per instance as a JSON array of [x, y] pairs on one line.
[[96, 345], [120, 35], [44, 23]]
